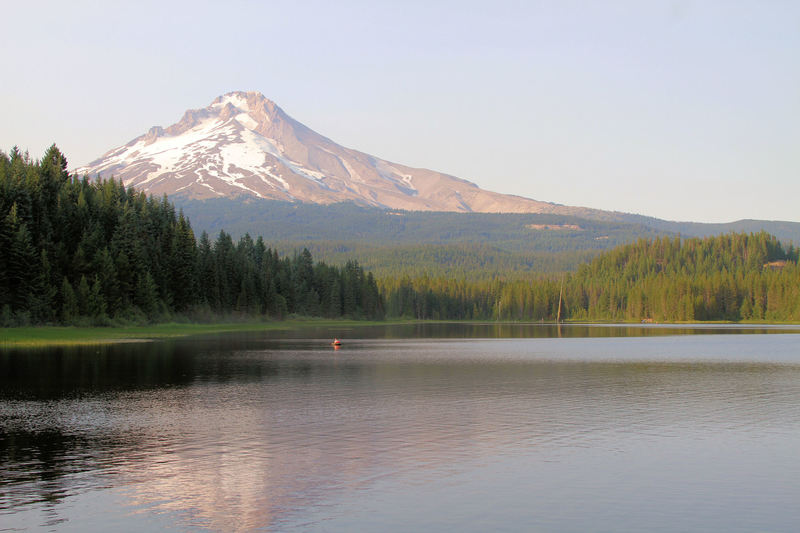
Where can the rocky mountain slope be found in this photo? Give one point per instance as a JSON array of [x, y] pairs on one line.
[[243, 145]]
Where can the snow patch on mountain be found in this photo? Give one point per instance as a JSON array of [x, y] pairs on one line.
[[387, 171], [171, 153], [241, 155], [247, 121], [237, 100], [271, 147]]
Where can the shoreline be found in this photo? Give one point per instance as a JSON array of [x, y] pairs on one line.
[[52, 336]]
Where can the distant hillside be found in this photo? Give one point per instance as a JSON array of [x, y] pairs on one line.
[[471, 246], [346, 222], [472, 262], [786, 232], [468, 245]]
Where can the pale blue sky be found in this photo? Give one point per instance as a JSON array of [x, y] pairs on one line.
[[681, 110]]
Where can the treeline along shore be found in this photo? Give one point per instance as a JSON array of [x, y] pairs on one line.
[[77, 251]]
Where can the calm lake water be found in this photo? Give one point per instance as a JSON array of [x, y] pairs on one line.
[[409, 428]]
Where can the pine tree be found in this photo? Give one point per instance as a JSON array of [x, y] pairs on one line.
[[43, 293], [83, 297], [183, 264], [21, 265], [206, 275], [97, 302], [107, 276], [147, 295], [69, 306], [335, 305], [8, 227]]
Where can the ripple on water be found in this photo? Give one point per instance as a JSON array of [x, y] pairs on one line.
[[561, 434]]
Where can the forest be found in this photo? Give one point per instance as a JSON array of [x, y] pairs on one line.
[[468, 261], [77, 251], [362, 226], [725, 278]]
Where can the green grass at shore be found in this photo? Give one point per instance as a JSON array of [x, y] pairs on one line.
[[42, 336]]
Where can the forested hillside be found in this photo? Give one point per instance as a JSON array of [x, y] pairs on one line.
[[347, 222], [75, 251], [470, 246], [784, 231], [306, 224], [730, 277], [470, 262]]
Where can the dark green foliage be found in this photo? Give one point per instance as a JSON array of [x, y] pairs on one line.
[[472, 246], [43, 292], [146, 297], [83, 297], [20, 261], [470, 261], [730, 277], [75, 251], [96, 307], [183, 263], [69, 305]]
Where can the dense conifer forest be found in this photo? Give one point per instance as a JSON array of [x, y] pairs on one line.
[[468, 261], [729, 277], [73, 251]]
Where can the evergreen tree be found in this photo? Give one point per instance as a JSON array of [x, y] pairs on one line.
[[96, 305], [43, 293], [184, 266], [69, 306], [83, 297], [147, 296], [21, 264]]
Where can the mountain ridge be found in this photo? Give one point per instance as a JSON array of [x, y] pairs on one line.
[[244, 144], [284, 221], [244, 147]]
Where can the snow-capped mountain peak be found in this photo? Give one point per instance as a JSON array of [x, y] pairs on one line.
[[243, 144]]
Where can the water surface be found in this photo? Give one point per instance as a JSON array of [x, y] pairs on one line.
[[435, 428]]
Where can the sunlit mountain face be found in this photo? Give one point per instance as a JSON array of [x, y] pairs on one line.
[[243, 145]]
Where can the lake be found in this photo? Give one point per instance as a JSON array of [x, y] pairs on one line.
[[431, 427]]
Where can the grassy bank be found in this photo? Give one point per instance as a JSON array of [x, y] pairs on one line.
[[42, 336]]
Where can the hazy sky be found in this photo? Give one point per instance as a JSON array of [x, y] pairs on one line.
[[681, 110]]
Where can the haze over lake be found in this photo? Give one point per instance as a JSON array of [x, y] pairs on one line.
[[407, 428]]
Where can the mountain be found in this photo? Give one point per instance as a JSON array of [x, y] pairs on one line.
[[243, 145], [242, 163]]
